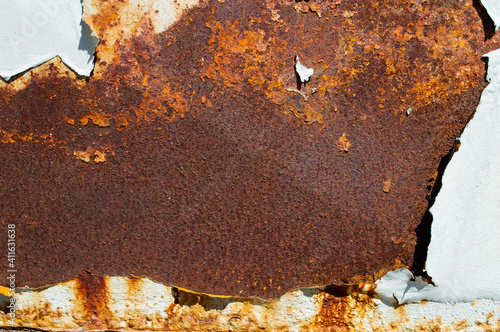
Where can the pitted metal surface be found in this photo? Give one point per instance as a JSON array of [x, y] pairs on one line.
[[192, 158]]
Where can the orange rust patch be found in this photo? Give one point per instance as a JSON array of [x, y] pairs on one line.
[[168, 103], [97, 119], [461, 325], [333, 313], [100, 157], [42, 317], [238, 55], [341, 313], [343, 144], [6, 137], [387, 186], [91, 154]]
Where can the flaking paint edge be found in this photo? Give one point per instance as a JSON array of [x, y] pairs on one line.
[[26, 39], [61, 294]]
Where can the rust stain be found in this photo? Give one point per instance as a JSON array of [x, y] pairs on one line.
[[6, 137], [92, 293], [332, 314], [134, 285], [211, 170]]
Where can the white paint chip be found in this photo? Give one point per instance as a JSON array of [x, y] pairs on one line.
[[303, 72], [35, 31], [399, 287]]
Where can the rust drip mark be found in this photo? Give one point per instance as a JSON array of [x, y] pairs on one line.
[[134, 284], [343, 305], [98, 120], [92, 292]]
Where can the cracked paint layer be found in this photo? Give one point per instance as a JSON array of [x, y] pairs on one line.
[[28, 30], [188, 156]]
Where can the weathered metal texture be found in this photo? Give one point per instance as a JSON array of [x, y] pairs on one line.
[[189, 156], [115, 303]]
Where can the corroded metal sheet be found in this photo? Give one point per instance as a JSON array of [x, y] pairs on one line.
[[191, 157]]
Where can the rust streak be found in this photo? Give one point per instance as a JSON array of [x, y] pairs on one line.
[[93, 295]]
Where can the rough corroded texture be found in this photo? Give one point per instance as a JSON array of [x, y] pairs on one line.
[[189, 157], [135, 304]]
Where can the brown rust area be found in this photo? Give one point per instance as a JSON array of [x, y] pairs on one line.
[[191, 158], [92, 294]]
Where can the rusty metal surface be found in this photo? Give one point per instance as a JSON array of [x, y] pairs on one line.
[[189, 158]]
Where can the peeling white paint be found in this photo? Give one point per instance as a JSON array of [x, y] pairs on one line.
[[464, 253], [493, 8], [164, 13], [398, 287], [58, 296], [297, 309], [466, 316], [33, 32]]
